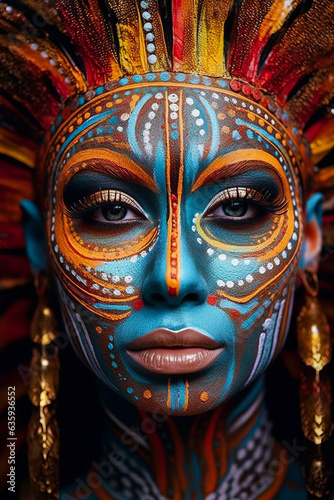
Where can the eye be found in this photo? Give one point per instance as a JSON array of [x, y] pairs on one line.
[[115, 212], [107, 207], [237, 205], [235, 209]]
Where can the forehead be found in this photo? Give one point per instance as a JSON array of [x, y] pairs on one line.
[[184, 124]]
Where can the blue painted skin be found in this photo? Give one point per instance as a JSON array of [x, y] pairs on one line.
[[240, 326]]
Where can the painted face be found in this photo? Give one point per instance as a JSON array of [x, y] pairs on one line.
[[175, 227]]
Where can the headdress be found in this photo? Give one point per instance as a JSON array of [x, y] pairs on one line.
[[277, 52]]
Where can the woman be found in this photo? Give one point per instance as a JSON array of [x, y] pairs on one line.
[[176, 188]]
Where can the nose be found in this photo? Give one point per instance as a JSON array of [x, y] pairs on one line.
[[192, 286]]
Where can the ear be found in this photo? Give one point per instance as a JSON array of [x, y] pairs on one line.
[[34, 235], [312, 236]]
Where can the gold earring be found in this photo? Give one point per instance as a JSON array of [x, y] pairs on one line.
[[315, 350], [43, 431]]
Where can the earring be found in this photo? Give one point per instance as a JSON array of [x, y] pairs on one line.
[[43, 432], [315, 350]]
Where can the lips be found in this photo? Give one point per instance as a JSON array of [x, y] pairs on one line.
[[172, 352]]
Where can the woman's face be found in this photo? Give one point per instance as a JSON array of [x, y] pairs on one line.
[[175, 229]]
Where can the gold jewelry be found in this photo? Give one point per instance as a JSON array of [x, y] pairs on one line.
[[315, 350], [43, 431]]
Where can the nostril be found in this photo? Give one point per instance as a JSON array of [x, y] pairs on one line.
[[191, 297], [157, 297]]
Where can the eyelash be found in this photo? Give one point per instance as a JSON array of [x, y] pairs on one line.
[[261, 199], [87, 204]]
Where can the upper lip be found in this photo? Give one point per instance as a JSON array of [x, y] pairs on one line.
[[163, 337]]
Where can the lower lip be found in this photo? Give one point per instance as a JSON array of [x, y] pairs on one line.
[[175, 361]]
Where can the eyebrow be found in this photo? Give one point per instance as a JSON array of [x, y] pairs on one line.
[[237, 163], [114, 164]]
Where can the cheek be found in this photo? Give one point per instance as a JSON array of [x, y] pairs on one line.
[[261, 325], [97, 344]]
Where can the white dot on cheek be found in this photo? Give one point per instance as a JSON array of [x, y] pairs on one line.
[[249, 278]]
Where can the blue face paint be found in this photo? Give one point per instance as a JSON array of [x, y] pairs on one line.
[[177, 220]]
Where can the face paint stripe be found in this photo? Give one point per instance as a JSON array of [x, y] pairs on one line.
[[81, 131], [132, 125], [171, 286], [276, 333], [179, 192], [103, 313], [186, 402], [168, 394], [251, 320], [174, 180], [259, 130], [283, 320], [215, 129], [261, 342]]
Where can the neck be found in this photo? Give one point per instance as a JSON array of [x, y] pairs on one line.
[[189, 458]]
